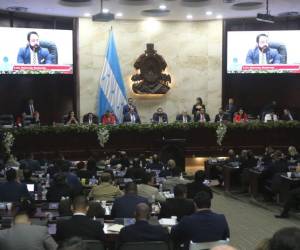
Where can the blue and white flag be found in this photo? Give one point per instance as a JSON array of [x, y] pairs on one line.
[[112, 92]]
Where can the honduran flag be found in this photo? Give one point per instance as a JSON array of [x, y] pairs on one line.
[[112, 92]]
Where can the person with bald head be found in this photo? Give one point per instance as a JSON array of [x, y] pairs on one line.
[[142, 230], [223, 247]]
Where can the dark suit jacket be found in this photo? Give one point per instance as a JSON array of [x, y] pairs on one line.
[[135, 173], [272, 56], [27, 109], [156, 115], [194, 187], [179, 118], [127, 118], [202, 226], [177, 207], [197, 117], [80, 226], [56, 192], [224, 118], [44, 57], [33, 165], [124, 206], [143, 231], [194, 110], [85, 119], [287, 117], [126, 109], [13, 191]]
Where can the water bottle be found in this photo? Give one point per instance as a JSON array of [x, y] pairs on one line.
[[160, 187]]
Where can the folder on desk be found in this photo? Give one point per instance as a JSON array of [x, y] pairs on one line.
[[115, 228]]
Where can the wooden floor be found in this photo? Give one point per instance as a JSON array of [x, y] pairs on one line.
[[248, 223]]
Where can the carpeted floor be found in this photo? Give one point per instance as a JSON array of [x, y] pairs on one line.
[[248, 223]]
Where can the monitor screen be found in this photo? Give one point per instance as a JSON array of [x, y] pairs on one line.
[[30, 187], [263, 51], [53, 205], [36, 51]]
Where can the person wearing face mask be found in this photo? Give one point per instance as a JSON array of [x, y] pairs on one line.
[[262, 53], [33, 53]]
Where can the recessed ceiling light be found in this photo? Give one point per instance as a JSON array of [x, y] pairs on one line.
[[17, 8], [189, 17], [119, 14], [87, 14], [162, 7], [219, 16], [105, 10], [208, 13]]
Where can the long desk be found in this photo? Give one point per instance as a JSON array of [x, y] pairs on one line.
[[194, 139]]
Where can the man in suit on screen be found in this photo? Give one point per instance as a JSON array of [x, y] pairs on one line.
[[262, 53], [33, 53]]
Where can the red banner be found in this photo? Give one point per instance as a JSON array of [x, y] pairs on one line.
[[276, 67], [67, 69]]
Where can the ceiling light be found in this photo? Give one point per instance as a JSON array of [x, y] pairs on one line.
[[219, 16], [189, 17], [119, 14], [105, 10], [162, 7], [87, 14], [208, 13], [17, 9]]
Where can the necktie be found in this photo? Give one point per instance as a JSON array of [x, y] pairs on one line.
[[34, 59], [31, 109], [263, 59], [90, 121]]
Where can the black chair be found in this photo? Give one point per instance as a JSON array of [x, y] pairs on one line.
[[52, 50], [6, 120], [93, 245], [148, 245], [281, 50]]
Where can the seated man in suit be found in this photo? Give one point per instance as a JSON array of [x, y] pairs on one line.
[[178, 206], [155, 164], [109, 118], [202, 226], [173, 180], [160, 116], [230, 109], [30, 163], [202, 116], [197, 185], [12, 190], [287, 116], [221, 116], [124, 206], [129, 105], [262, 53], [142, 230], [80, 225], [90, 118], [33, 53], [24, 235], [184, 117], [105, 190], [147, 189], [131, 116]]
